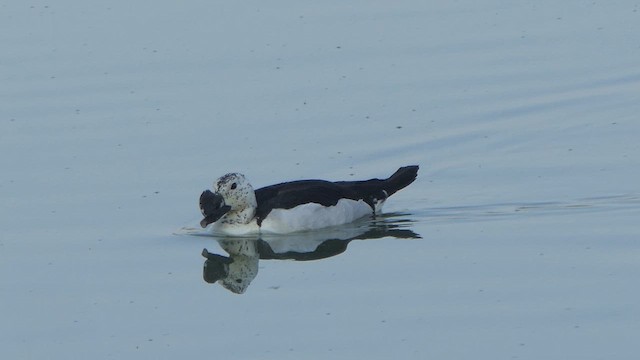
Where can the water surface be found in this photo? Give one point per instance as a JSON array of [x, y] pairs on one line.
[[522, 117]]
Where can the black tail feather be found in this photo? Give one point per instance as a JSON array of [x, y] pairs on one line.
[[401, 179]]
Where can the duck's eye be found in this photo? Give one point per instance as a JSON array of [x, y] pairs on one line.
[[233, 186]]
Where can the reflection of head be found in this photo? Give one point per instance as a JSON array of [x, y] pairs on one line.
[[241, 272], [216, 267], [236, 272]]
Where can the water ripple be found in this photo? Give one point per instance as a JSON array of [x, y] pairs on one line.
[[627, 202]]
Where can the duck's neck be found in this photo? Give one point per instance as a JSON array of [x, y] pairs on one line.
[[243, 216]]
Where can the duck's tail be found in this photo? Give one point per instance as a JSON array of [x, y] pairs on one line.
[[400, 179]]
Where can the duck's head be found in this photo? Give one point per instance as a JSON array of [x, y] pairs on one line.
[[232, 197]]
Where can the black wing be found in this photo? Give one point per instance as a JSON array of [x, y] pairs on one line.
[[291, 194]]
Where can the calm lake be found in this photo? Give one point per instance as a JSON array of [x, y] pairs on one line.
[[519, 239]]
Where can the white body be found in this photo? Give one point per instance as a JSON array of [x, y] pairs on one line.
[[303, 217]]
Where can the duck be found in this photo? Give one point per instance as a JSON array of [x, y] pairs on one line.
[[235, 208]]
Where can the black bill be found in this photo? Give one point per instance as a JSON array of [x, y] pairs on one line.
[[216, 267], [212, 207]]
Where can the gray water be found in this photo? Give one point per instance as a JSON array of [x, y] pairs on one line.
[[519, 239]]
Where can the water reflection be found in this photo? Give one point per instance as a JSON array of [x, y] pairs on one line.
[[236, 271]]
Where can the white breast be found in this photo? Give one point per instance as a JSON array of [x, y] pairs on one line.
[[314, 216], [235, 229]]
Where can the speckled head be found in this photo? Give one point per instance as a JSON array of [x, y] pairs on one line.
[[239, 195]]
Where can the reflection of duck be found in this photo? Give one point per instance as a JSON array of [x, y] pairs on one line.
[[234, 208], [236, 271]]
